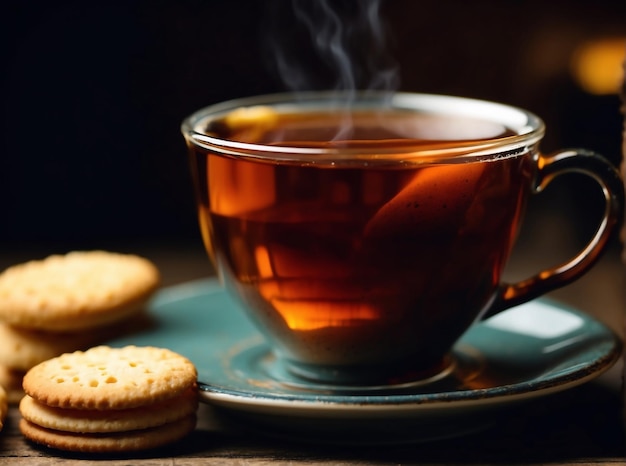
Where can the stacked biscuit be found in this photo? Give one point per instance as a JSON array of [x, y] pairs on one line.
[[108, 400], [66, 303], [3, 406]]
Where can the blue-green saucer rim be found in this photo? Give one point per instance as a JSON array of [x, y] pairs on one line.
[[605, 353], [510, 392]]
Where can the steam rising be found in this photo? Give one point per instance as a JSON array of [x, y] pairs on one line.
[[347, 47]]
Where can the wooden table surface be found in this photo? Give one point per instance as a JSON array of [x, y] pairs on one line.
[[584, 425]]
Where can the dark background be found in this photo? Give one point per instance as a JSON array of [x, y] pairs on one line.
[[93, 94]]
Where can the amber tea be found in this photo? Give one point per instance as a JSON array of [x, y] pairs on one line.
[[363, 243], [341, 254]]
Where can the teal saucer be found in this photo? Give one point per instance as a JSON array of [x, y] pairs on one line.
[[527, 352]]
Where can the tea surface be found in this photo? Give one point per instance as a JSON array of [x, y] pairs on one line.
[[335, 256], [385, 128]]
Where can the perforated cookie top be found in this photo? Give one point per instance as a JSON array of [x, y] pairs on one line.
[[81, 289], [110, 378]]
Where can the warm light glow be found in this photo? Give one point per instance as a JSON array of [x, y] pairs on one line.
[[297, 304], [597, 65], [314, 315], [263, 262]]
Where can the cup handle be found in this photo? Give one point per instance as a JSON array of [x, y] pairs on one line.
[[549, 167]]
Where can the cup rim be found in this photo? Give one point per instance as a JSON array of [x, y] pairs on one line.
[[529, 129]]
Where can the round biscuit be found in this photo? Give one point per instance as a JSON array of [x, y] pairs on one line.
[[11, 381], [4, 406], [22, 349], [101, 421], [110, 378], [78, 290], [112, 442]]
